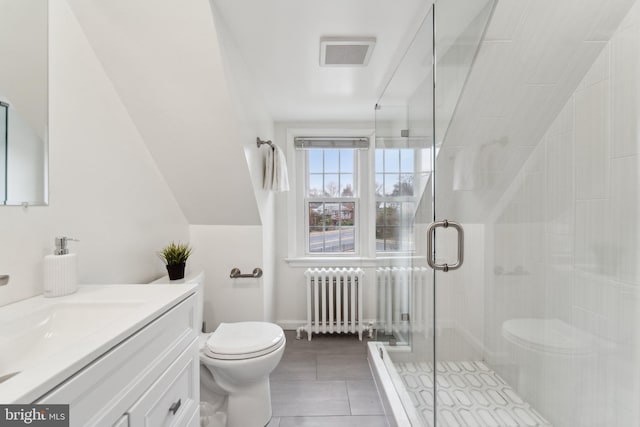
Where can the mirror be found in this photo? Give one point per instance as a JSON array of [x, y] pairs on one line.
[[23, 102]]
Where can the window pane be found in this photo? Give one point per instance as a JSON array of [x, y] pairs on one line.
[[315, 185], [346, 185], [316, 239], [406, 214], [347, 213], [331, 188], [346, 161], [316, 214], [379, 184], [406, 161], [391, 184], [392, 214], [347, 239], [331, 215], [315, 161], [332, 161], [392, 160], [332, 240], [392, 239], [406, 185]]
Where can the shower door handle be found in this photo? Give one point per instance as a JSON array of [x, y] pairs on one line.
[[431, 237]]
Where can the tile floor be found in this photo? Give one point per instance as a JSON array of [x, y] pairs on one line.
[[469, 394], [325, 382]]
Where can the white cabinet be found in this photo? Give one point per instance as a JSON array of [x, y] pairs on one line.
[[149, 379]]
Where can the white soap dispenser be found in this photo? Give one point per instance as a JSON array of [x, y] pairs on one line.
[[60, 270]]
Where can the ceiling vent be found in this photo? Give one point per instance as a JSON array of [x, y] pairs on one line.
[[345, 51]]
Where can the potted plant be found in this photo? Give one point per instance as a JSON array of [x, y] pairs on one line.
[[175, 256]]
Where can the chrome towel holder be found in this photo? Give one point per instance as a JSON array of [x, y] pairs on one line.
[[260, 142], [236, 273]]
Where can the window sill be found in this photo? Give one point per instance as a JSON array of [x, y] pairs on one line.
[[348, 261], [331, 262]]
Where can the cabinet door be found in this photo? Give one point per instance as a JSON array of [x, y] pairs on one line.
[[174, 397]]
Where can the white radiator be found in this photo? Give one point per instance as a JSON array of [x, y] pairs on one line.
[[403, 296], [334, 301]]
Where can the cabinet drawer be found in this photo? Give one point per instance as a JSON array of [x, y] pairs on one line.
[[99, 394], [173, 398]]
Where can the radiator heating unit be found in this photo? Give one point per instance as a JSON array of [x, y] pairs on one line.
[[334, 302], [402, 296]]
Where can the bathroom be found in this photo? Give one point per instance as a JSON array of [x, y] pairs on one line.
[[148, 116]]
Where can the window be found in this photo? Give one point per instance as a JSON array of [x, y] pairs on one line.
[[331, 199], [395, 178]]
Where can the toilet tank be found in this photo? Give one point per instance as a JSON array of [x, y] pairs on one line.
[[194, 278]]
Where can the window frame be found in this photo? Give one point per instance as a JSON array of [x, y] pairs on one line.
[[355, 199], [415, 198], [298, 244]]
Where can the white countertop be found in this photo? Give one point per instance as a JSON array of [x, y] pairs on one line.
[[83, 326]]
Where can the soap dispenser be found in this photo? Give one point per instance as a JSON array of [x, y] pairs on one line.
[[60, 270]]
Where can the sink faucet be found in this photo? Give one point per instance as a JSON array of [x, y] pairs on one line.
[[4, 279]]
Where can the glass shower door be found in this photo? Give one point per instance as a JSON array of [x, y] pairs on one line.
[[465, 387]]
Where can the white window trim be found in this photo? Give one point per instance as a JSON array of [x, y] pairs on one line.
[[297, 239]]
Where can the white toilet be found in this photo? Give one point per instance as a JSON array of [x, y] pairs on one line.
[[554, 362], [235, 363]]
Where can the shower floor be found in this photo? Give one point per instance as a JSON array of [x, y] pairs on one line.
[[469, 395]]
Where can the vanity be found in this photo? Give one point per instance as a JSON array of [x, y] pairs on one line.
[[119, 355]]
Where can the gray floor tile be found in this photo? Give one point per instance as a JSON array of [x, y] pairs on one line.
[[295, 366], [363, 398], [292, 398], [362, 421], [343, 367]]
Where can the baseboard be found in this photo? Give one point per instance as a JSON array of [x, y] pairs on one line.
[[292, 325]]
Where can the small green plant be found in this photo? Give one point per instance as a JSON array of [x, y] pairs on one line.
[[175, 253]]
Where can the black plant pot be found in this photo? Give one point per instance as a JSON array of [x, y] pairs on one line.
[[176, 271]]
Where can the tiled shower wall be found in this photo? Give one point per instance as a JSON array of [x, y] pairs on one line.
[[570, 221]]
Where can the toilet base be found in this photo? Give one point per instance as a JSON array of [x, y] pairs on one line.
[[251, 407]]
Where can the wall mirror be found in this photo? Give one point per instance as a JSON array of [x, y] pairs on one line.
[[23, 102]]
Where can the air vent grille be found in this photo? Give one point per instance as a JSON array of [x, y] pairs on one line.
[[345, 52]]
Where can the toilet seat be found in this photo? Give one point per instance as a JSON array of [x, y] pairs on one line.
[[243, 340], [547, 336]]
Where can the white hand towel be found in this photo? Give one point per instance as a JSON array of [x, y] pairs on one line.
[[267, 181], [276, 177], [280, 174]]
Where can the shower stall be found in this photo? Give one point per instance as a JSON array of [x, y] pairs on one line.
[[514, 301]]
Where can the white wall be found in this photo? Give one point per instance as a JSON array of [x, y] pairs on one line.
[[291, 297], [570, 219], [105, 188], [165, 61], [218, 249]]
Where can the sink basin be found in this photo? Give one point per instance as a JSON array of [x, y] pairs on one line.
[[33, 337], [44, 341]]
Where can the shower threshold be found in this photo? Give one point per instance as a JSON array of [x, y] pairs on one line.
[[469, 394]]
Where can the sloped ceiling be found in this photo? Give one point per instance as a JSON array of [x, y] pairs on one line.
[[163, 59], [534, 55]]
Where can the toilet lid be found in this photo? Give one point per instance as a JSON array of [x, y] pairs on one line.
[[243, 340], [547, 335]]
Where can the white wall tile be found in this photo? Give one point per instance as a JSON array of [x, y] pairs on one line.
[[625, 91], [592, 142]]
